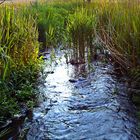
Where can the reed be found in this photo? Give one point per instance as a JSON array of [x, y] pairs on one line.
[[19, 61], [52, 17], [81, 30], [18, 43], [119, 30], [115, 24]]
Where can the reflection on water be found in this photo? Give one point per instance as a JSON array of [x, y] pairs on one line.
[[82, 104]]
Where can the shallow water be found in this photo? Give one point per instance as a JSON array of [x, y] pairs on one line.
[[82, 102]]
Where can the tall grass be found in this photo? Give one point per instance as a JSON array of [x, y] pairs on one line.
[[81, 30], [19, 61], [18, 43], [119, 30], [114, 23], [61, 22], [51, 21]]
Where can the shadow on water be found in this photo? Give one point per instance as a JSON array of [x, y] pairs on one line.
[[81, 100]]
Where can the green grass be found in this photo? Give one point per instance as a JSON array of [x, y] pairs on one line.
[[115, 24], [51, 20], [119, 29], [19, 63], [81, 28]]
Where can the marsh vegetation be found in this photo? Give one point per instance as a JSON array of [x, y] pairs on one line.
[[27, 30]]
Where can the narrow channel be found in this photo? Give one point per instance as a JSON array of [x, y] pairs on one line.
[[83, 102]]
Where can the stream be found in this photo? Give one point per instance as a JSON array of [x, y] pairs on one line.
[[82, 102]]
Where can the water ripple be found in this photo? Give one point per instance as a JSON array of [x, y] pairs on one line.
[[91, 108]]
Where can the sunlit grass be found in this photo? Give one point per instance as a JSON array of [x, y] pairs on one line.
[[119, 29], [114, 23], [19, 63], [18, 35]]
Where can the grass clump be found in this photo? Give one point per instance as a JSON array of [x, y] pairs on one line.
[[19, 63], [52, 19], [119, 30], [62, 23], [50, 22], [81, 30]]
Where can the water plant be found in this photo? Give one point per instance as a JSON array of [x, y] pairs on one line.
[[81, 30], [119, 30]]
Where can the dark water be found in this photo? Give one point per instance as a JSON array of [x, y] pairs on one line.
[[83, 102]]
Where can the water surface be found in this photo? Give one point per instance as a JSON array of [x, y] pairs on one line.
[[83, 102]]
